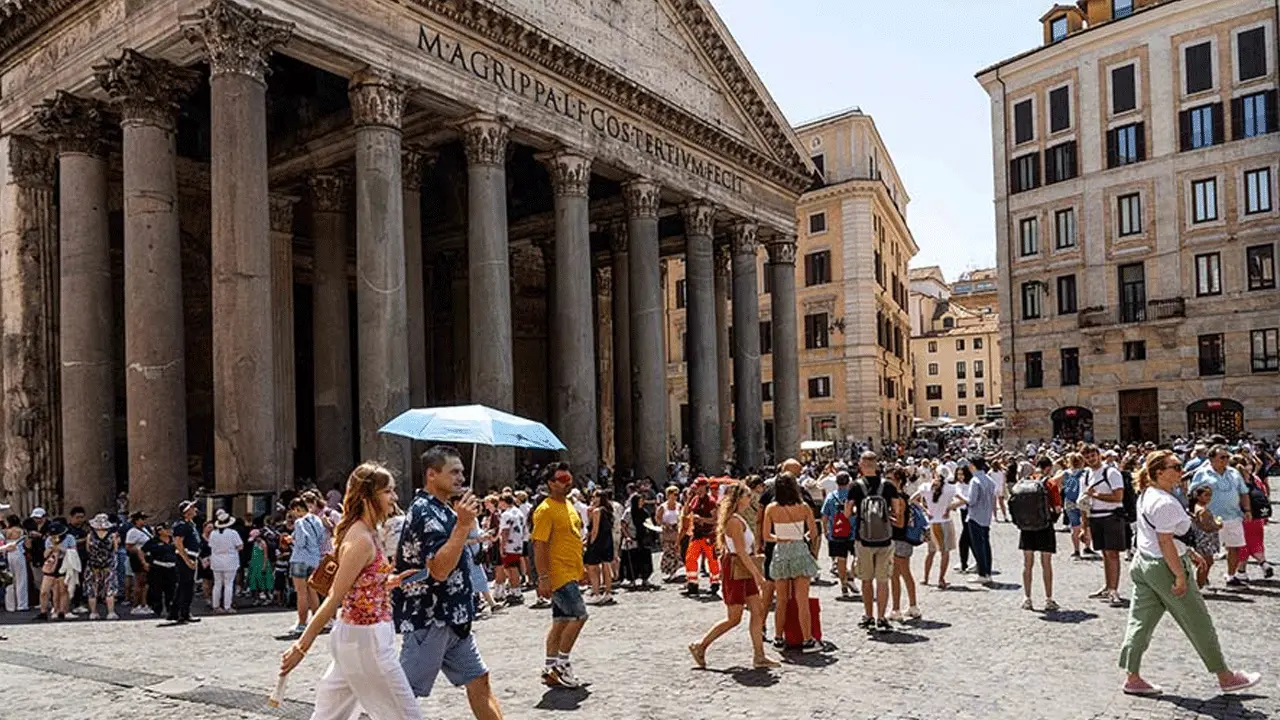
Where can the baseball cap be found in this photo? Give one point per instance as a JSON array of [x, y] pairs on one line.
[[38, 513]]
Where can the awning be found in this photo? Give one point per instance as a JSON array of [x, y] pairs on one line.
[[816, 444]]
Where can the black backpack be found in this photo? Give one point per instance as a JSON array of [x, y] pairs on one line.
[[1259, 502], [1129, 509], [1029, 506]]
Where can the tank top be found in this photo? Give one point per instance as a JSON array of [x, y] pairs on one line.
[[789, 531], [670, 516], [368, 602], [747, 537]]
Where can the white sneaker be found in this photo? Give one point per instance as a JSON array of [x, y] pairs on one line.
[[1027, 605], [914, 613], [565, 673], [895, 616], [112, 616]]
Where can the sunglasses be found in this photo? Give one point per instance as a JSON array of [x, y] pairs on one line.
[[1177, 467]]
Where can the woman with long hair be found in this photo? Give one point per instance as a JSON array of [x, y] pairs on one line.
[[365, 672], [938, 499], [668, 516], [1159, 573], [637, 552], [1071, 480], [787, 522], [963, 475], [742, 577], [900, 514], [1254, 547], [598, 556]]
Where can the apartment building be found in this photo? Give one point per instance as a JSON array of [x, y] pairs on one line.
[[1135, 159], [978, 290], [955, 351], [854, 246]]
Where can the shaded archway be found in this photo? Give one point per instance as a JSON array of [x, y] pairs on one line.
[[1217, 416], [1073, 423]]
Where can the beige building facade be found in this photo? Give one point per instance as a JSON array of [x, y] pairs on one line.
[[853, 335], [955, 352], [1136, 167]]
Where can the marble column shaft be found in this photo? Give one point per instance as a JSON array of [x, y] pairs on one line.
[[620, 274], [704, 398], [460, 301], [331, 330], [238, 43], [282, 336], [748, 422], [724, 361], [786, 352], [648, 367], [573, 358], [415, 162], [377, 103], [489, 286], [79, 128]]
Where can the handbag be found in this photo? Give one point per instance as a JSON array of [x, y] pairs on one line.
[[737, 569], [321, 579]]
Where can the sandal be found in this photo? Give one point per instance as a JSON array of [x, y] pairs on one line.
[[779, 642], [943, 585], [699, 654]]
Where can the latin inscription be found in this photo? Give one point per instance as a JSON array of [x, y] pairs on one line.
[[517, 81]]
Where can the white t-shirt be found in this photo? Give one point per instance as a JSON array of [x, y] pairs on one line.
[[581, 507], [224, 550], [1105, 479], [136, 537], [511, 525], [1160, 512], [939, 508], [962, 490], [828, 484]]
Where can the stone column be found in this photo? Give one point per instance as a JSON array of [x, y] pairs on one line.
[[416, 161], [148, 92], [786, 352], [624, 448], [700, 300], [239, 43], [648, 366], [460, 301], [748, 421], [282, 336], [573, 358], [605, 361], [331, 329], [724, 362], [377, 106], [489, 271], [28, 332], [79, 128]]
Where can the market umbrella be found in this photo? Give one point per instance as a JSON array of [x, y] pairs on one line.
[[475, 424]]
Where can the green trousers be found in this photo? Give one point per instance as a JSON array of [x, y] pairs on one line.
[[1152, 598]]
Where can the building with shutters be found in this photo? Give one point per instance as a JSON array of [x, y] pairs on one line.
[[955, 350], [1137, 218]]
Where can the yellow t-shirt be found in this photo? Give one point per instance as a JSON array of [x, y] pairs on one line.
[[557, 523]]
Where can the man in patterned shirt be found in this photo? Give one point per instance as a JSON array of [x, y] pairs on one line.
[[435, 615]]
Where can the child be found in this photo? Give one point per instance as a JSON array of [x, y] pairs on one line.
[[54, 599], [284, 586], [259, 580], [1206, 528]]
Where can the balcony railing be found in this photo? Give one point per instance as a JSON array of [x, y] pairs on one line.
[[1102, 316]]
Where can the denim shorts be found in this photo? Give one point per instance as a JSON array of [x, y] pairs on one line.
[[437, 649], [1073, 516], [567, 604], [302, 571]]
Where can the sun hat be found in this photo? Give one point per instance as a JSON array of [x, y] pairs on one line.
[[223, 519], [100, 522], [186, 505]]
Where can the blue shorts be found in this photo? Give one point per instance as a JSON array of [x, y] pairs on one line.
[[567, 604], [1073, 517], [301, 571], [437, 649]]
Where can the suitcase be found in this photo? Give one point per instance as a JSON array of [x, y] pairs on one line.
[[791, 628]]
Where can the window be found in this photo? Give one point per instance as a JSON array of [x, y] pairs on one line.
[[1251, 53], [1121, 8], [960, 344], [933, 368], [1133, 292], [1058, 28], [1030, 300], [820, 162], [933, 346], [1200, 127], [1261, 263], [1266, 349], [979, 368], [1070, 366], [1204, 200], [1060, 162], [1199, 68], [1213, 359], [960, 370], [681, 289], [817, 268], [1124, 93], [1067, 303], [948, 322], [977, 345], [1253, 115], [1025, 172], [1059, 109], [1029, 231], [962, 391], [1064, 229], [1126, 145], [815, 331], [979, 410], [934, 411], [766, 337], [1257, 191], [932, 392], [1129, 214], [817, 223], [1208, 274], [979, 390], [962, 411], [1135, 350], [766, 392], [1023, 129], [819, 387], [1034, 371]]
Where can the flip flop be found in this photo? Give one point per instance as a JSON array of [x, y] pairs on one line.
[[1244, 680], [1147, 691]]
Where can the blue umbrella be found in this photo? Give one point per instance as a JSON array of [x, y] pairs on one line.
[[475, 424]]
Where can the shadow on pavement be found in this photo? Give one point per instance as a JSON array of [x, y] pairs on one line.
[[563, 699], [1219, 707], [1255, 591], [1069, 617], [1235, 596], [1003, 586], [897, 637], [749, 677], [928, 625], [813, 660]]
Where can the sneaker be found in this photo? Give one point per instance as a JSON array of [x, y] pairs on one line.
[[567, 678], [551, 678], [960, 569], [895, 616], [608, 599], [1143, 689], [540, 604], [779, 642], [1241, 681], [691, 589], [144, 610], [94, 616], [810, 646], [882, 625], [1089, 551], [80, 610], [1050, 605], [914, 613], [295, 630], [1268, 571], [1075, 555], [112, 616], [1233, 581], [844, 591], [715, 590], [867, 623], [1027, 604]]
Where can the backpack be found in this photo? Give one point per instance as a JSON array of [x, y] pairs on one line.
[[1071, 485], [1259, 502], [841, 529], [1129, 507], [1029, 506], [917, 525], [874, 523]]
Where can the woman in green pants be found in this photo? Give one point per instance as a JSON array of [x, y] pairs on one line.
[[1159, 573]]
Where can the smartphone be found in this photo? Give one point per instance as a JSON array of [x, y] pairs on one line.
[[420, 576]]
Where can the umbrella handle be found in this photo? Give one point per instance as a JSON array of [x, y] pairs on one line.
[[471, 476]]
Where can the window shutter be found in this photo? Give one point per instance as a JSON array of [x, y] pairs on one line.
[[1184, 130], [1071, 160], [1035, 171], [1113, 152], [1237, 118], [1272, 116], [1014, 184], [1140, 140], [1219, 127]]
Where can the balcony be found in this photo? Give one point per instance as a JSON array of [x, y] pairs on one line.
[[1101, 316]]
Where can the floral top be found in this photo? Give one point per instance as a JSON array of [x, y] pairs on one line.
[[427, 527], [368, 602]]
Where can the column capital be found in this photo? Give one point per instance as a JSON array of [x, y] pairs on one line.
[[485, 139], [329, 191], [782, 249], [377, 98], [237, 40], [147, 91], [570, 172], [281, 207], [75, 124], [745, 240], [30, 163], [643, 196], [699, 218], [416, 160], [618, 237]]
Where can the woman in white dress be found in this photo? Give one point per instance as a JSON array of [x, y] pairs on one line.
[[15, 593], [224, 560]]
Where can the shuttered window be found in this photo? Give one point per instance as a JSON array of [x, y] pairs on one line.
[[1199, 68], [1124, 96], [1251, 53], [1059, 110], [1023, 130]]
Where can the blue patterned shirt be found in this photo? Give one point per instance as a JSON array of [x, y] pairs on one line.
[[427, 528]]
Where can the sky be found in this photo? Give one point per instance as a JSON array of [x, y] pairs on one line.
[[910, 64]]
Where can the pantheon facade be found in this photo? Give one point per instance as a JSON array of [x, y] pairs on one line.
[[238, 237]]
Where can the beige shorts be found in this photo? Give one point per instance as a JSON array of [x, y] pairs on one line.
[[874, 563], [942, 537]]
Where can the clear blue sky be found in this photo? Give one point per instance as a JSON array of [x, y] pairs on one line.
[[910, 65]]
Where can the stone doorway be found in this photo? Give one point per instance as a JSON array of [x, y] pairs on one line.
[[1215, 417], [1073, 424], [1139, 415]]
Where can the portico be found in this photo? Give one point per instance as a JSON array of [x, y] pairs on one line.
[[328, 213]]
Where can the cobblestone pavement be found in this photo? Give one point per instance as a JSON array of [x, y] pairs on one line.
[[976, 655]]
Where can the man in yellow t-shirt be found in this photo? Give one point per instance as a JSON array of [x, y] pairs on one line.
[[557, 553]]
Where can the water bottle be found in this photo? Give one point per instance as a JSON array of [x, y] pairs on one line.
[[276, 698]]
